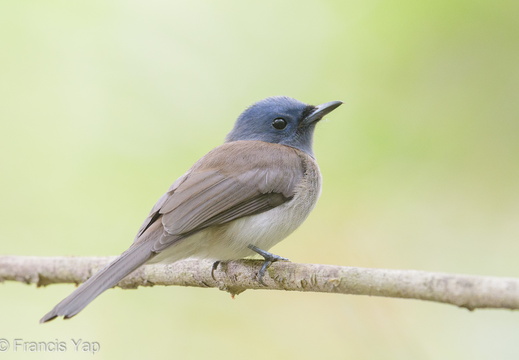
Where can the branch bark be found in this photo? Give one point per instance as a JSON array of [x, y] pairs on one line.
[[466, 291]]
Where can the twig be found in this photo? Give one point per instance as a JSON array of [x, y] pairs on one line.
[[466, 291]]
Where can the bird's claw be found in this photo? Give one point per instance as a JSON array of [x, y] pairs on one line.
[[269, 259]]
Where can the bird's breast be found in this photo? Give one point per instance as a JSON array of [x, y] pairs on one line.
[[264, 230]]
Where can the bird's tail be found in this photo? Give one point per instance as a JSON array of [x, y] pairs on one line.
[[106, 278]]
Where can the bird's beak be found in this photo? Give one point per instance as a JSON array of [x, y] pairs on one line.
[[320, 111]]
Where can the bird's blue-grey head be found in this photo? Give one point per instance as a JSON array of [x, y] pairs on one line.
[[281, 120]]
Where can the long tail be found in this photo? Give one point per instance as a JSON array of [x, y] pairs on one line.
[[106, 278]]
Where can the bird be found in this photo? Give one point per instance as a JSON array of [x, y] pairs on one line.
[[238, 200]]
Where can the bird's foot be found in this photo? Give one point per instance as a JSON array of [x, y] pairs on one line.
[[269, 259], [215, 266]]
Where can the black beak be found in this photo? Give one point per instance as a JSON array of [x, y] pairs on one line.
[[320, 111]]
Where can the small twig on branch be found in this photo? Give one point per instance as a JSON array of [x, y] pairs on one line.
[[466, 291]]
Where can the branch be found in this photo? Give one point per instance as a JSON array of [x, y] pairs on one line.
[[466, 291]]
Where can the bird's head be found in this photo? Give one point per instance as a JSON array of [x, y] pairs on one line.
[[281, 120]]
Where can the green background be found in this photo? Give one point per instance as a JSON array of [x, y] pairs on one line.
[[103, 104]]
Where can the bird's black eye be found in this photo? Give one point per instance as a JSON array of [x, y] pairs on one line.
[[279, 123]]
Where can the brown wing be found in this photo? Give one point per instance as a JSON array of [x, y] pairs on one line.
[[234, 180]]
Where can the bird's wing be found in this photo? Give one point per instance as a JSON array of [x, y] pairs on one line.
[[237, 179]]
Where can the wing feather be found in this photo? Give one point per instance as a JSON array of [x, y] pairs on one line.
[[236, 179]]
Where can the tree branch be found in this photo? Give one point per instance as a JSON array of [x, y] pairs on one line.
[[466, 291]]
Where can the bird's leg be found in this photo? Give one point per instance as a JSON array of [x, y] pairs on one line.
[[269, 259]]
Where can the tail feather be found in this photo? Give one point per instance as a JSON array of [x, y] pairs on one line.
[[106, 278]]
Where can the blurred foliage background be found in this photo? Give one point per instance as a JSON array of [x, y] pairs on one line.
[[105, 103]]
